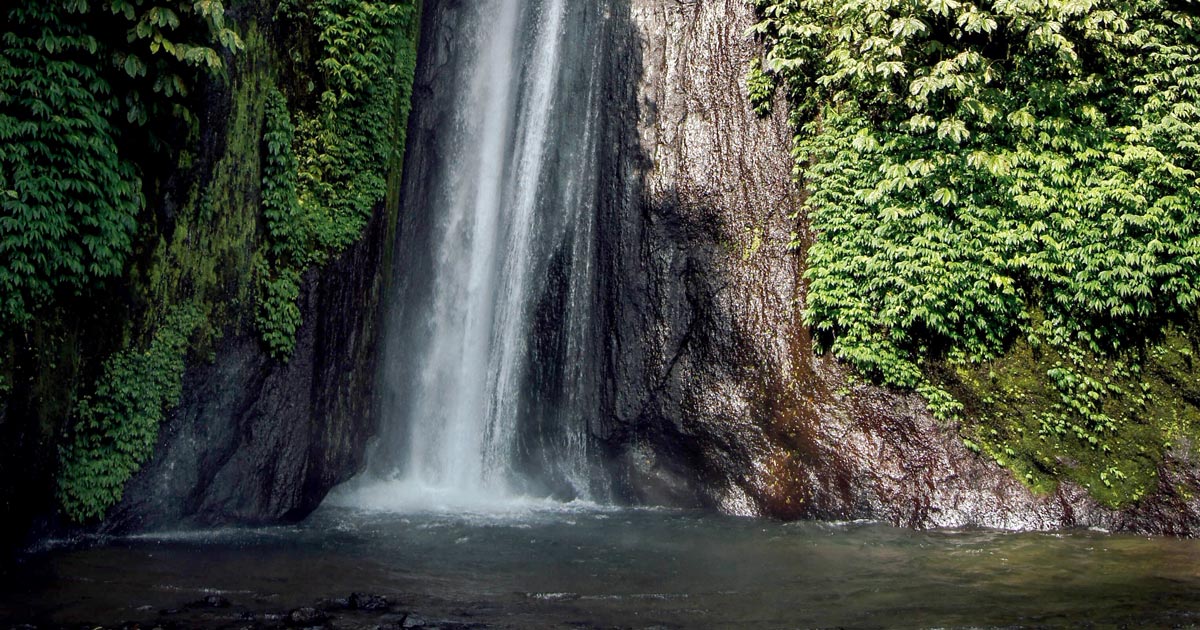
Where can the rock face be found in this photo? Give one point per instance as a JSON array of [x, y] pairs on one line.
[[720, 399], [256, 441]]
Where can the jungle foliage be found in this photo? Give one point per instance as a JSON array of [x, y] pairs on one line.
[[74, 77], [95, 118], [118, 423], [327, 157], [93, 107], [996, 178]]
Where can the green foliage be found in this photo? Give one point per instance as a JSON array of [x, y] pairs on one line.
[[70, 177], [69, 199], [280, 203], [345, 146], [118, 425], [761, 88], [325, 173], [92, 95], [161, 43], [289, 229], [993, 171], [1106, 427]]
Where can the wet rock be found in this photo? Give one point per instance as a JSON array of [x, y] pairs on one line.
[[368, 602], [306, 617], [719, 397], [413, 620], [340, 603], [390, 621], [714, 395], [254, 439], [210, 601]]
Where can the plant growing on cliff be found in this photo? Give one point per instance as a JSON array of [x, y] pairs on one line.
[[70, 183], [118, 424], [992, 171], [326, 166], [93, 97], [760, 86], [69, 199], [279, 284]]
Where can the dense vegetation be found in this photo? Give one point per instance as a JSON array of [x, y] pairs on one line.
[[1004, 197], [97, 127], [327, 171], [118, 424], [91, 97], [72, 78]]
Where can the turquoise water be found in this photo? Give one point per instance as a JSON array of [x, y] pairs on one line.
[[541, 566]]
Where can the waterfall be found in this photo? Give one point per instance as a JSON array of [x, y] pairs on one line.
[[490, 353]]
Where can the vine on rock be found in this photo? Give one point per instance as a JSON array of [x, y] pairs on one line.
[[118, 424], [989, 172], [72, 74], [327, 164]]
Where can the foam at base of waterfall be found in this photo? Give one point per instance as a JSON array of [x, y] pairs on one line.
[[407, 496]]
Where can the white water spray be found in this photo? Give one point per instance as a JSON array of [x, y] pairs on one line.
[[505, 187]]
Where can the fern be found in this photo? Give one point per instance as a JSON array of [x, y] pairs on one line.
[[118, 424]]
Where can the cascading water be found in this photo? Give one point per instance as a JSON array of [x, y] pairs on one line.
[[488, 368]]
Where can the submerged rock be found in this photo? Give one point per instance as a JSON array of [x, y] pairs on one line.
[[367, 602], [414, 620], [306, 617], [210, 601]]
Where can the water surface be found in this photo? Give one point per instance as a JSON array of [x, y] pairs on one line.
[[539, 565]]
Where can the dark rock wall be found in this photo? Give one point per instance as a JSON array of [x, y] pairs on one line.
[[719, 397], [256, 441]]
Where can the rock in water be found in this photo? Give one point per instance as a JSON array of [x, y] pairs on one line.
[[364, 601], [306, 617], [210, 601]]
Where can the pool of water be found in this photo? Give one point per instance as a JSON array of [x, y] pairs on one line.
[[537, 565]]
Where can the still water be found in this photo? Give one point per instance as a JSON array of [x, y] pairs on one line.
[[544, 566]]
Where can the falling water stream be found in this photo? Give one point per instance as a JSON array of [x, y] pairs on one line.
[[499, 209]]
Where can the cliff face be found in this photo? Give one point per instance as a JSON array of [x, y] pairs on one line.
[[256, 438], [712, 394], [256, 441], [716, 372]]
